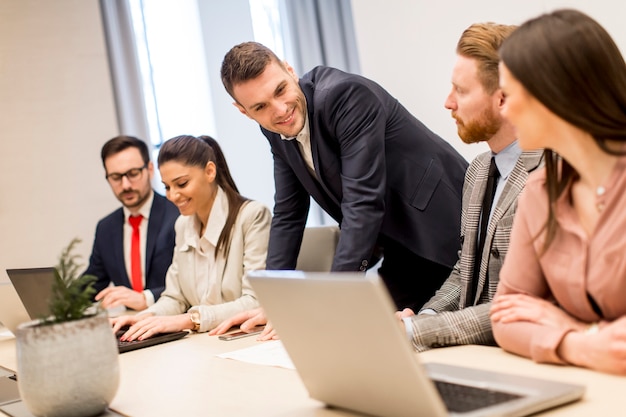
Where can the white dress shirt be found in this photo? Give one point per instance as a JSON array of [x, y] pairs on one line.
[[215, 286], [304, 144]]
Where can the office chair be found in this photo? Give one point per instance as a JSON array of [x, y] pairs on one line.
[[318, 248]]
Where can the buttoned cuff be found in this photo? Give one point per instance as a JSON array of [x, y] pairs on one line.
[[149, 297], [408, 327]]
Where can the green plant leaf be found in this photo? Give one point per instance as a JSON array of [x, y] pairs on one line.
[[72, 294]]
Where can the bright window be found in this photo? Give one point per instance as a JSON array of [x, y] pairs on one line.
[[171, 55], [267, 27]]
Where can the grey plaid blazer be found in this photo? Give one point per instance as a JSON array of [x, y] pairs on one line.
[[460, 320]]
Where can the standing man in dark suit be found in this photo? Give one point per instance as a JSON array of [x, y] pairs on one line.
[[459, 311], [129, 172], [391, 184]]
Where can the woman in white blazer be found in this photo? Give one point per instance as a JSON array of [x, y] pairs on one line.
[[220, 236]]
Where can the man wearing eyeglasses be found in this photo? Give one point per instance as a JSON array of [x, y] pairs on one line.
[[133, 245]]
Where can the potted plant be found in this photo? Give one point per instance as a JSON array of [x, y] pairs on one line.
[[67, 363]]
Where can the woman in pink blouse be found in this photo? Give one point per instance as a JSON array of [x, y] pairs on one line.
[[562, 291]]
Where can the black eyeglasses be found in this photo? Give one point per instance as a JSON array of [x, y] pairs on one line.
[[132, 174]]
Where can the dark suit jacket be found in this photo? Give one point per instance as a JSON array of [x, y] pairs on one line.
[[107, 257], [461, 319], [379, 171]]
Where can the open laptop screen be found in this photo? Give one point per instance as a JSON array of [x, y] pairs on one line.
[[34, 286]]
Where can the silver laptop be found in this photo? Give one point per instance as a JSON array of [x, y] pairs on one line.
[[340, 331], [34, 286], [9, 391], [25, 298], [12, 311]]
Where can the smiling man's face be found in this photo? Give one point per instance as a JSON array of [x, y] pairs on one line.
[[273, 99]]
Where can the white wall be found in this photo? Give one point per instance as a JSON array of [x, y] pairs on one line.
[[246, 149], [57, 107], [56, 111], [408, 46]]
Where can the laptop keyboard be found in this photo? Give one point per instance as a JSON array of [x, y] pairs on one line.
[[463, 398], [127, 346], [122, 344]]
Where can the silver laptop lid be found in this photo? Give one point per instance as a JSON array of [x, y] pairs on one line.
[[326, 323], [34, 286], [12, 311], [351, 352]]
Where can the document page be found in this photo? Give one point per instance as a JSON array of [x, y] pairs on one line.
[[270, 353]]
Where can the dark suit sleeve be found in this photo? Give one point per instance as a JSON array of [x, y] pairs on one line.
[[356, 117], [96, 263], [291, 207]]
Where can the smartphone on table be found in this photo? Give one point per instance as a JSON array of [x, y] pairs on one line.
[[241, 333]]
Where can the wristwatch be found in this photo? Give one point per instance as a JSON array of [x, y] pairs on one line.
[[194, 316]]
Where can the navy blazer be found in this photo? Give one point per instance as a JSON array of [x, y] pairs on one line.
[[380, 171], [107, 257]]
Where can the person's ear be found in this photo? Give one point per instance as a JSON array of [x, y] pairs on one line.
[[241, 109], [210, 170], [150, 169], [290, 70], [499, 96]]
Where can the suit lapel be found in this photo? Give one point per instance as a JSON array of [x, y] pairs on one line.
[[477, 192], [117, 244], [527, 162], [154, 224], [298, 164], [290, 152], [317, 149]]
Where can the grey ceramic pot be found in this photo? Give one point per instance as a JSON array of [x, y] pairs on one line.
[[68, 369]]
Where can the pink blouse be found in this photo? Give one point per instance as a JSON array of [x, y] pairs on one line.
[[574, 268]]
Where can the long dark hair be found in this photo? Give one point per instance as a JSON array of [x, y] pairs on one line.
[[198, 151], [570, 63]]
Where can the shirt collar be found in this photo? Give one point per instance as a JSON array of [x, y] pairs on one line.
[[507, 158], [217, 220]]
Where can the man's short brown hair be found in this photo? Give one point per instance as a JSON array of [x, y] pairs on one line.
[[481, 41], [245, 62]]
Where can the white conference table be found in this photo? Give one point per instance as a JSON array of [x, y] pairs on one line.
[[186, 378]]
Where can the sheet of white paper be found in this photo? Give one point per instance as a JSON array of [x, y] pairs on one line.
[[5, 333], [270, 353]]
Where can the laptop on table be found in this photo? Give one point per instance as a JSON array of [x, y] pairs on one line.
[[34, 288], [12, 311], [340, 331]]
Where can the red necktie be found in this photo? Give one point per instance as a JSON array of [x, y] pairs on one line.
[[135, 254]]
